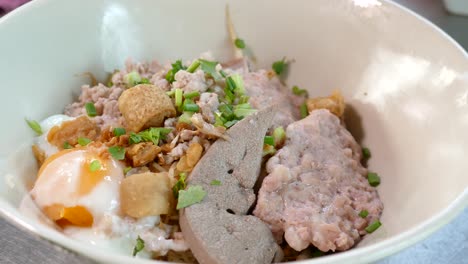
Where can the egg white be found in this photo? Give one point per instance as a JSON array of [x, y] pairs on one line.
[[41, 141]]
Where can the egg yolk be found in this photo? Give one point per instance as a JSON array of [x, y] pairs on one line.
[[89, 178]]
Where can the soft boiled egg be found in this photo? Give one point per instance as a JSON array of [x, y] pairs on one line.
[[78, 186]]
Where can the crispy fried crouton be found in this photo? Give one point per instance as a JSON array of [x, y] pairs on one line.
[[70, 131], [334, 103], [142, 153]]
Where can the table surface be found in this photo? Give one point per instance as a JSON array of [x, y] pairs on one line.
[[447, 245]]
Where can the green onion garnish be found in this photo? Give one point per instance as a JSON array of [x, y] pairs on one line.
[[67, 145], [144, 81], [304, 111], [140, 245], [373, 179], [239, 88], [268, 150], [90, 109], [209, 67], [185, 117], [215, 182], [239, 43], [35, 126], [134, 138], [94, 165], [178, 97], [279, 135], [192, 95], [191, 107], [243, 99], [179, 185], [366, 153], [170, 93], [132, 79], [279, 66], [298, 91], [117, 152], [194, 66], [229, 124], [269, 140], [176, 66], [84, 141], [374, 226], [126, 170], [363, 213], [119, 131]]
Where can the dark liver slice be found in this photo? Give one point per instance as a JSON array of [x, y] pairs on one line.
[[218, 229]]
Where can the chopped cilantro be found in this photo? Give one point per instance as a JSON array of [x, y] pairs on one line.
[[239, 43], [193, 195], [94, 165], [35, 126], [140, 245], [84, 141], [90, 109], [215, 182], [119, 131], [209, 67], [279, 66], [117, 152], [179, 185], [134, 138]]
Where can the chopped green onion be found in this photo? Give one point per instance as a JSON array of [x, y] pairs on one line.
[[185, 117], [194, 66], [374, 226], [363, 213], [226, 111], [144, 81], [304, 111], [223, 73], [134, 138], [366, 153], [179, 185], [239, 88], [191, 107], [243, 99], [229, 124], [279, 135], [176, 66], [239, 43], [119, 131], [132, 79], [110, 84], [178, 97], [209, 67], [170, 93], [191, 95], [84, 141], [268, 150], [140, 245], [215, 182], [90, 109], [298, 91], [243, 110], [219, 120], [117, 152], [94, 165], [269, 140], [193, 195], [126, 170], [279, 66], [35, 126], [67, 145], [373, 179]]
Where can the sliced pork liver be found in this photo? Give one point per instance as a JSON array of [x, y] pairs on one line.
[[218, 229]]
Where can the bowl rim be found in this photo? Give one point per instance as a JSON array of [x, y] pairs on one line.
[[365, 254]]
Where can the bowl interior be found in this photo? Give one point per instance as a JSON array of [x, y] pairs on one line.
[[405, 83]]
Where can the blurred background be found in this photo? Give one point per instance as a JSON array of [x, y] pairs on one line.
[[448, 245]]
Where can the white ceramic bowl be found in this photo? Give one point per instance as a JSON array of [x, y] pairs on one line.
[[404, 79]]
